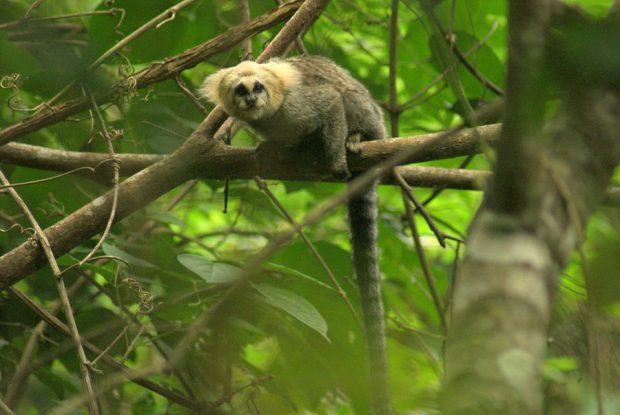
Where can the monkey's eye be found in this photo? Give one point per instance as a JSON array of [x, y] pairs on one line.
[[257, 87], [241, 90]]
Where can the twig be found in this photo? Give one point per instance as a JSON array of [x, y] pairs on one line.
[[22, 21], [5, 409], [132, 346], [32, 8], [420, 208], [426, 269], [113, 363], [20, 375], [192, 98], [116, 174], [262, 185], [438, 190], [47, 179], [134, 318], [452, 286], [114, 341], [155, 22], [393, 107], [156, 72], [93, 407], [246, 45], [411, 102], [460, 56], [299, 43]]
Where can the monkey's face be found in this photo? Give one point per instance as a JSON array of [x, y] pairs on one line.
[[251, 91], [250, 98]]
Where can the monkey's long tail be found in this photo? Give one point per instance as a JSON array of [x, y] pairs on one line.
[[363, 224]]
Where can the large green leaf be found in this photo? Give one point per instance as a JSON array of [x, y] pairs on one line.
[[211, 272], [296, 306]]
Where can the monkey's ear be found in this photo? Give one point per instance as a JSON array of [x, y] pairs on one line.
[[210, 88], [287, 74]]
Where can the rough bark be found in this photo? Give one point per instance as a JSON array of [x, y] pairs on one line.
[[547, 182]]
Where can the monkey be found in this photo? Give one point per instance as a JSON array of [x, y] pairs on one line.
[[311, 100]]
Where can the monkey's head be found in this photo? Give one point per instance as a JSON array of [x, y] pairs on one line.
[[251, 91]]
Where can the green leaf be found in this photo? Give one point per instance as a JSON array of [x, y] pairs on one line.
[[111, 250], [296, 273], [211, 272], [296, 306]]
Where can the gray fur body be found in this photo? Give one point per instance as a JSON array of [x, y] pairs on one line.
[[329, 106], [308, 100]]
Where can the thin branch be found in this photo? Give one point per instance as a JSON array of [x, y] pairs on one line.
[[189, 94], [22, 370], [156, 72], [299, 43], [438, 190], [22, 22], [262, 185], [113, 363], [415, 99], [93, 406], [246, 45], [32, 8], [393, 107], [155, 22], [47, 179], [116, 174], [419, 207], [5, 409], [426, 269], [449, 39]]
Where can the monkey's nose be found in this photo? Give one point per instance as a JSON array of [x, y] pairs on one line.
[[250, 100]]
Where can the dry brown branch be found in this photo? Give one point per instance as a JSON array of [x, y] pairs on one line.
[[241, 162]]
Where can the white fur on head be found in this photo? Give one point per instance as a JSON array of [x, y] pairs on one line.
[[277, 77]]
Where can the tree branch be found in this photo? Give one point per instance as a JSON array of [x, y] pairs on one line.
[[156, 72], [242, 162]]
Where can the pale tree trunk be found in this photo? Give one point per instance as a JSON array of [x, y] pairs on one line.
[[549, 177]]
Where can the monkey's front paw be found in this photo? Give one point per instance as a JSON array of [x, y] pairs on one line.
[[354, 143]]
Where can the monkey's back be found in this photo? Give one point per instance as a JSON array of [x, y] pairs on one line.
[[320, 76]]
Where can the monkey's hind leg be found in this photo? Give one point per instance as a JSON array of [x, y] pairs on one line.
[[334, 136]]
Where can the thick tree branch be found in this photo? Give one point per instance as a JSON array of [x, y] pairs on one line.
[[548, 180], [518, 170], [242, 162]]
